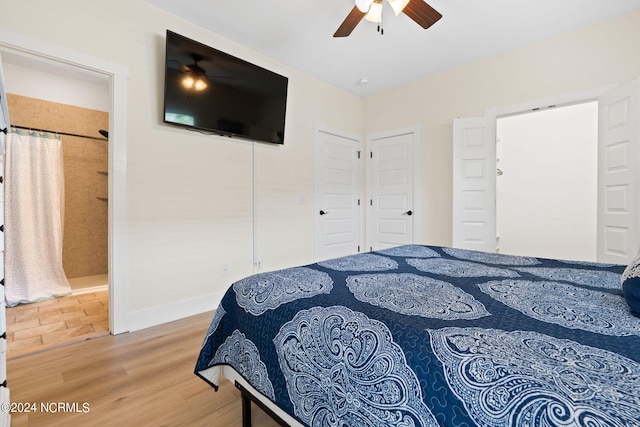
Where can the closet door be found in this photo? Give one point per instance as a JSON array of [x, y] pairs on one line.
[[618, 151], [391, 208], [337, 188], [393, 202], [474, 184]]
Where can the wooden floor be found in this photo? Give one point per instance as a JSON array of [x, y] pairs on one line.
[[54, 322], [143, 378]]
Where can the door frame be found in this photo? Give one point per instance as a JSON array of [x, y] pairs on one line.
[[117, 210], [491, 116], [370, 141], [550, 102], [357, 139], [582, 245]]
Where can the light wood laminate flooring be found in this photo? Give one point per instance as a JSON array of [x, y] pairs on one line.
[[142, 378]]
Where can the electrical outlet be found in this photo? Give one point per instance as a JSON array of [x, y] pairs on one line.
[[224, 271]]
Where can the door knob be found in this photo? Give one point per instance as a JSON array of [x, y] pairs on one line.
[[323, 212], [408, 213]]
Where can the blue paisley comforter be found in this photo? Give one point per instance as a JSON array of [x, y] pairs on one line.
[[428, 336]]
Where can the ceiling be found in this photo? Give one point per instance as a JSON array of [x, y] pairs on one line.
[[299, 33]]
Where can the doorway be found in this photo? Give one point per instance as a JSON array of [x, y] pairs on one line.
[[474, 172], [47, 54], [38, 325], [546, 183]]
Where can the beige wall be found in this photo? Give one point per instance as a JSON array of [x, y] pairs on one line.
[[190, 195], [600, 55], [84, 251]]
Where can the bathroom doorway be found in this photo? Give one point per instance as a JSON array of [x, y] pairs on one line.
[[77, 109]]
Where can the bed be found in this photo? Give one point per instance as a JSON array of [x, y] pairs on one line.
[[432, 336]]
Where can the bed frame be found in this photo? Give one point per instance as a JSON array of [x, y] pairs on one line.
[[250, 394]]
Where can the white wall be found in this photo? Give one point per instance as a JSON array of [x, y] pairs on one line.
[[189, 196], [546, 196], [27, 81], [599, 55]]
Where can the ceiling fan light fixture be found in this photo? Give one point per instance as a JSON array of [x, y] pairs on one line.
[[363, 5], [398, 5], [375, 12]]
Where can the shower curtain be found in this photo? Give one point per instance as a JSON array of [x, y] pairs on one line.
[[34, 202]]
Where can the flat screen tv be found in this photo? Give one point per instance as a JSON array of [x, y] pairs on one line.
[[209, 90]]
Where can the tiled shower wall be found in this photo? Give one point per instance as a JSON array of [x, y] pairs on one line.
[[84, 250]]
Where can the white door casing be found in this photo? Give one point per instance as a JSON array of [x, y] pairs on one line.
[[338, 207], [474, 184], [119, 76], [618, 223], [547, 180], [393, 196], [618, 151]]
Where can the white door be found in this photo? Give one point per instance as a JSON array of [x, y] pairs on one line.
[[337, 204], [391, 203], [618, 150], [474, 184]]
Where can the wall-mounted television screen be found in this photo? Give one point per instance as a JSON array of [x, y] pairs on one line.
[[208, 90]]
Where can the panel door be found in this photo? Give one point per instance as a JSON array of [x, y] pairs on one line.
[[390, 204], [474, 184], [618, 150], [338, 183]]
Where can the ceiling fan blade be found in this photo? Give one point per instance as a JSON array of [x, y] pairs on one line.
[[347, 26], [423, 14]]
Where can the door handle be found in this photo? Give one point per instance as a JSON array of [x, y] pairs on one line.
[[408, 213], [323, 212]]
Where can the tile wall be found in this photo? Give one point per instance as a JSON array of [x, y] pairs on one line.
[[85, 173]]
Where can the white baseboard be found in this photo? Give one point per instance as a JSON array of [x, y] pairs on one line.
[[167, 313]]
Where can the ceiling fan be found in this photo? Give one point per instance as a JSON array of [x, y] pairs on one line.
[[423, 14]]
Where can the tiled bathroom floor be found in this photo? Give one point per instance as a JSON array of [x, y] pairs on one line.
[[56, 322]]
